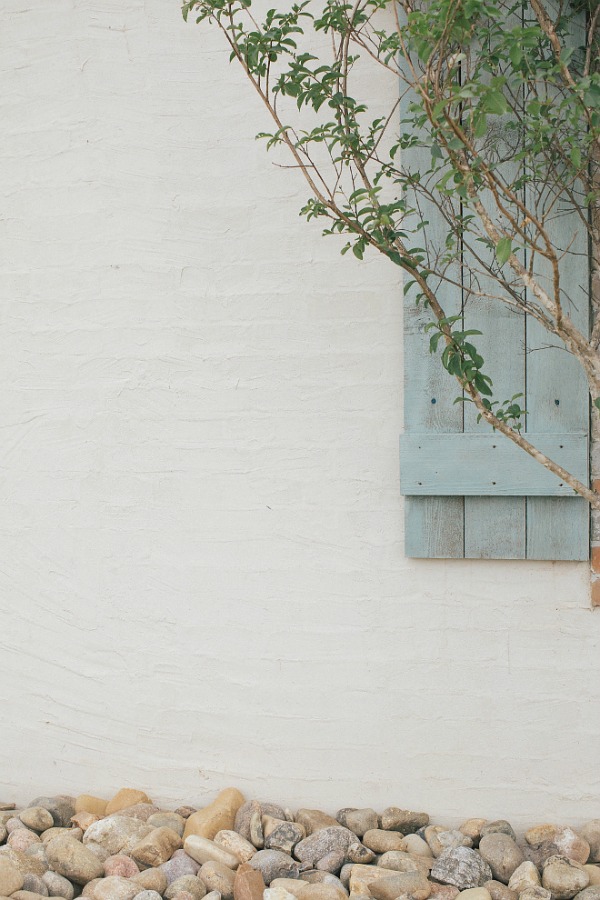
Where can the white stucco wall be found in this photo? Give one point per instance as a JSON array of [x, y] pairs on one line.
[[201, 565]]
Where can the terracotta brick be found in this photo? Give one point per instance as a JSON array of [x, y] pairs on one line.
[[596, 592], [595, 561]]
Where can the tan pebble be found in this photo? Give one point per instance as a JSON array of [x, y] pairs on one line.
[[120, 865], [217, 816], [278, 893], [324, 892], [313, 820], [594, 873], [152, 880], [590, 832], [124, 798], [217, 877], [115, 888], [291, 885], [94, 805], [535, 893], [75, 833], [202, 850], [414, 845], [499, 891], [11, 879], [478, 893], [472, 828], [168, 820], [566, 841], [37, 818], [444, 891], [381, 841], [28, 895], [183, 895], [186, 883], [89, 888], [362, 876], [399, 861], [84, 819], [22, 839], [525, 876], [564, 877], [72, 860], [404, 820], [185, 811], [157, 847], [236, 844], [248, 883], [414, 884]]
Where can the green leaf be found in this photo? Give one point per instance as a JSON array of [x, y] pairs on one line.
[[495, 102], [503, 250]]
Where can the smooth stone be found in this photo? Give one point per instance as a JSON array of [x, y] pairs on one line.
[[399, 861], [479, 893], [358, 853], [94, 805], [323, 842], [330, 864], [317, 876], [73, 860], [313, 820], [594, 873], [252, 811], [58, 885], [28, 895], [120, 865], [525, 876], [412, 883], [83, 820], [564, 877], [7, 806], [462, 867], [57, 831], [148, 895], [472, 828], [157, 847], [11, 879], [234, 843], [13, 824], [115, 834], [344, 875], [24, 861], [381, 841], [535, 893], [217, 816], [124, 798], [185, 811], [167, 820], [115, 888], [440, 839], [563, 840], [62, 807], [446, 891], [358, 821], [217, 877], [590, 832], [498, 826], [589, 893], [361, 878], [21, 839], [38, 852], [202, 850], [190, 883], [274, 864], [183, 895], [141, 811], [415, 845], [3, 834], [213, 895], [37, 818], [89, 888], [404, 820], [248, 883], [294, 886], [502, 854], [35, 884], [280, 835], [179, 864], [324, 891], [278, 893], [152, 880]]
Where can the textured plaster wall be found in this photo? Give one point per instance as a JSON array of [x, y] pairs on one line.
[[201, 566]]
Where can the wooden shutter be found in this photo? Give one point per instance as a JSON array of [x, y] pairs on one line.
[[469, 491]]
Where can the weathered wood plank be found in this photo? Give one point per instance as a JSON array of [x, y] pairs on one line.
[[479, 464]]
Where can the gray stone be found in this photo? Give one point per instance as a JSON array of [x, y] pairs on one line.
[[313, 820], [440, 839], [217, 877], [195, 886], [74, 861], [274, 864], [37, 818], [589, 893], [564, 877], [167, 820], [284, 836], [180, 864], [498, 826], [58, 885], [246, 810], [358, 820], [62, 807], [147, 895], [499, 891], [35, 884], [502, 854], [462, 867], [404, 820], [334, 839], [116, 834], [414, 884]]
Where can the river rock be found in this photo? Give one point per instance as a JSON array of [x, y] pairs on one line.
[[358, 820], [415, 845], [148, 895], [37, 818], [404, 820], [472, 828], [11, 879], [279, 893], [445, 891], [280, 835], [564, 839], [498, 826], [13, 824], [120, 865], [234, 843], [115, 888], [116, 834], [62, 807], [202, 850], [499, 891], [58, 885], [564, 877], [179, 864], [589, 893], [25, 862], [248, 883], [140, 811], [83, 820], [34, 884], [218, 815], [294, 886], [217, 877], [414, 884], [381, 841], [525, 876], [479, 893], [362, 876], [462, 867], [250, 809], [152, 880], [334, 839], [324, 891], [590, 832], [594, 873], [274, 864], [22, 838], [535, 893], [124, 798], [156, 848], [190, 883], [73, 860], [399, 861], [440, 839], [167, 820], [94, 805], [57, 831], [501, 853], [313, 820]]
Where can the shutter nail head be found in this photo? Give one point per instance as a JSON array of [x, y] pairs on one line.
[[433, 400]]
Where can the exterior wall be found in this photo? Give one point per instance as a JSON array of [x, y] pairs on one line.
[[202, 574]]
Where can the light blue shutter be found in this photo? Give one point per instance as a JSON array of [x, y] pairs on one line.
[[470, 492]]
